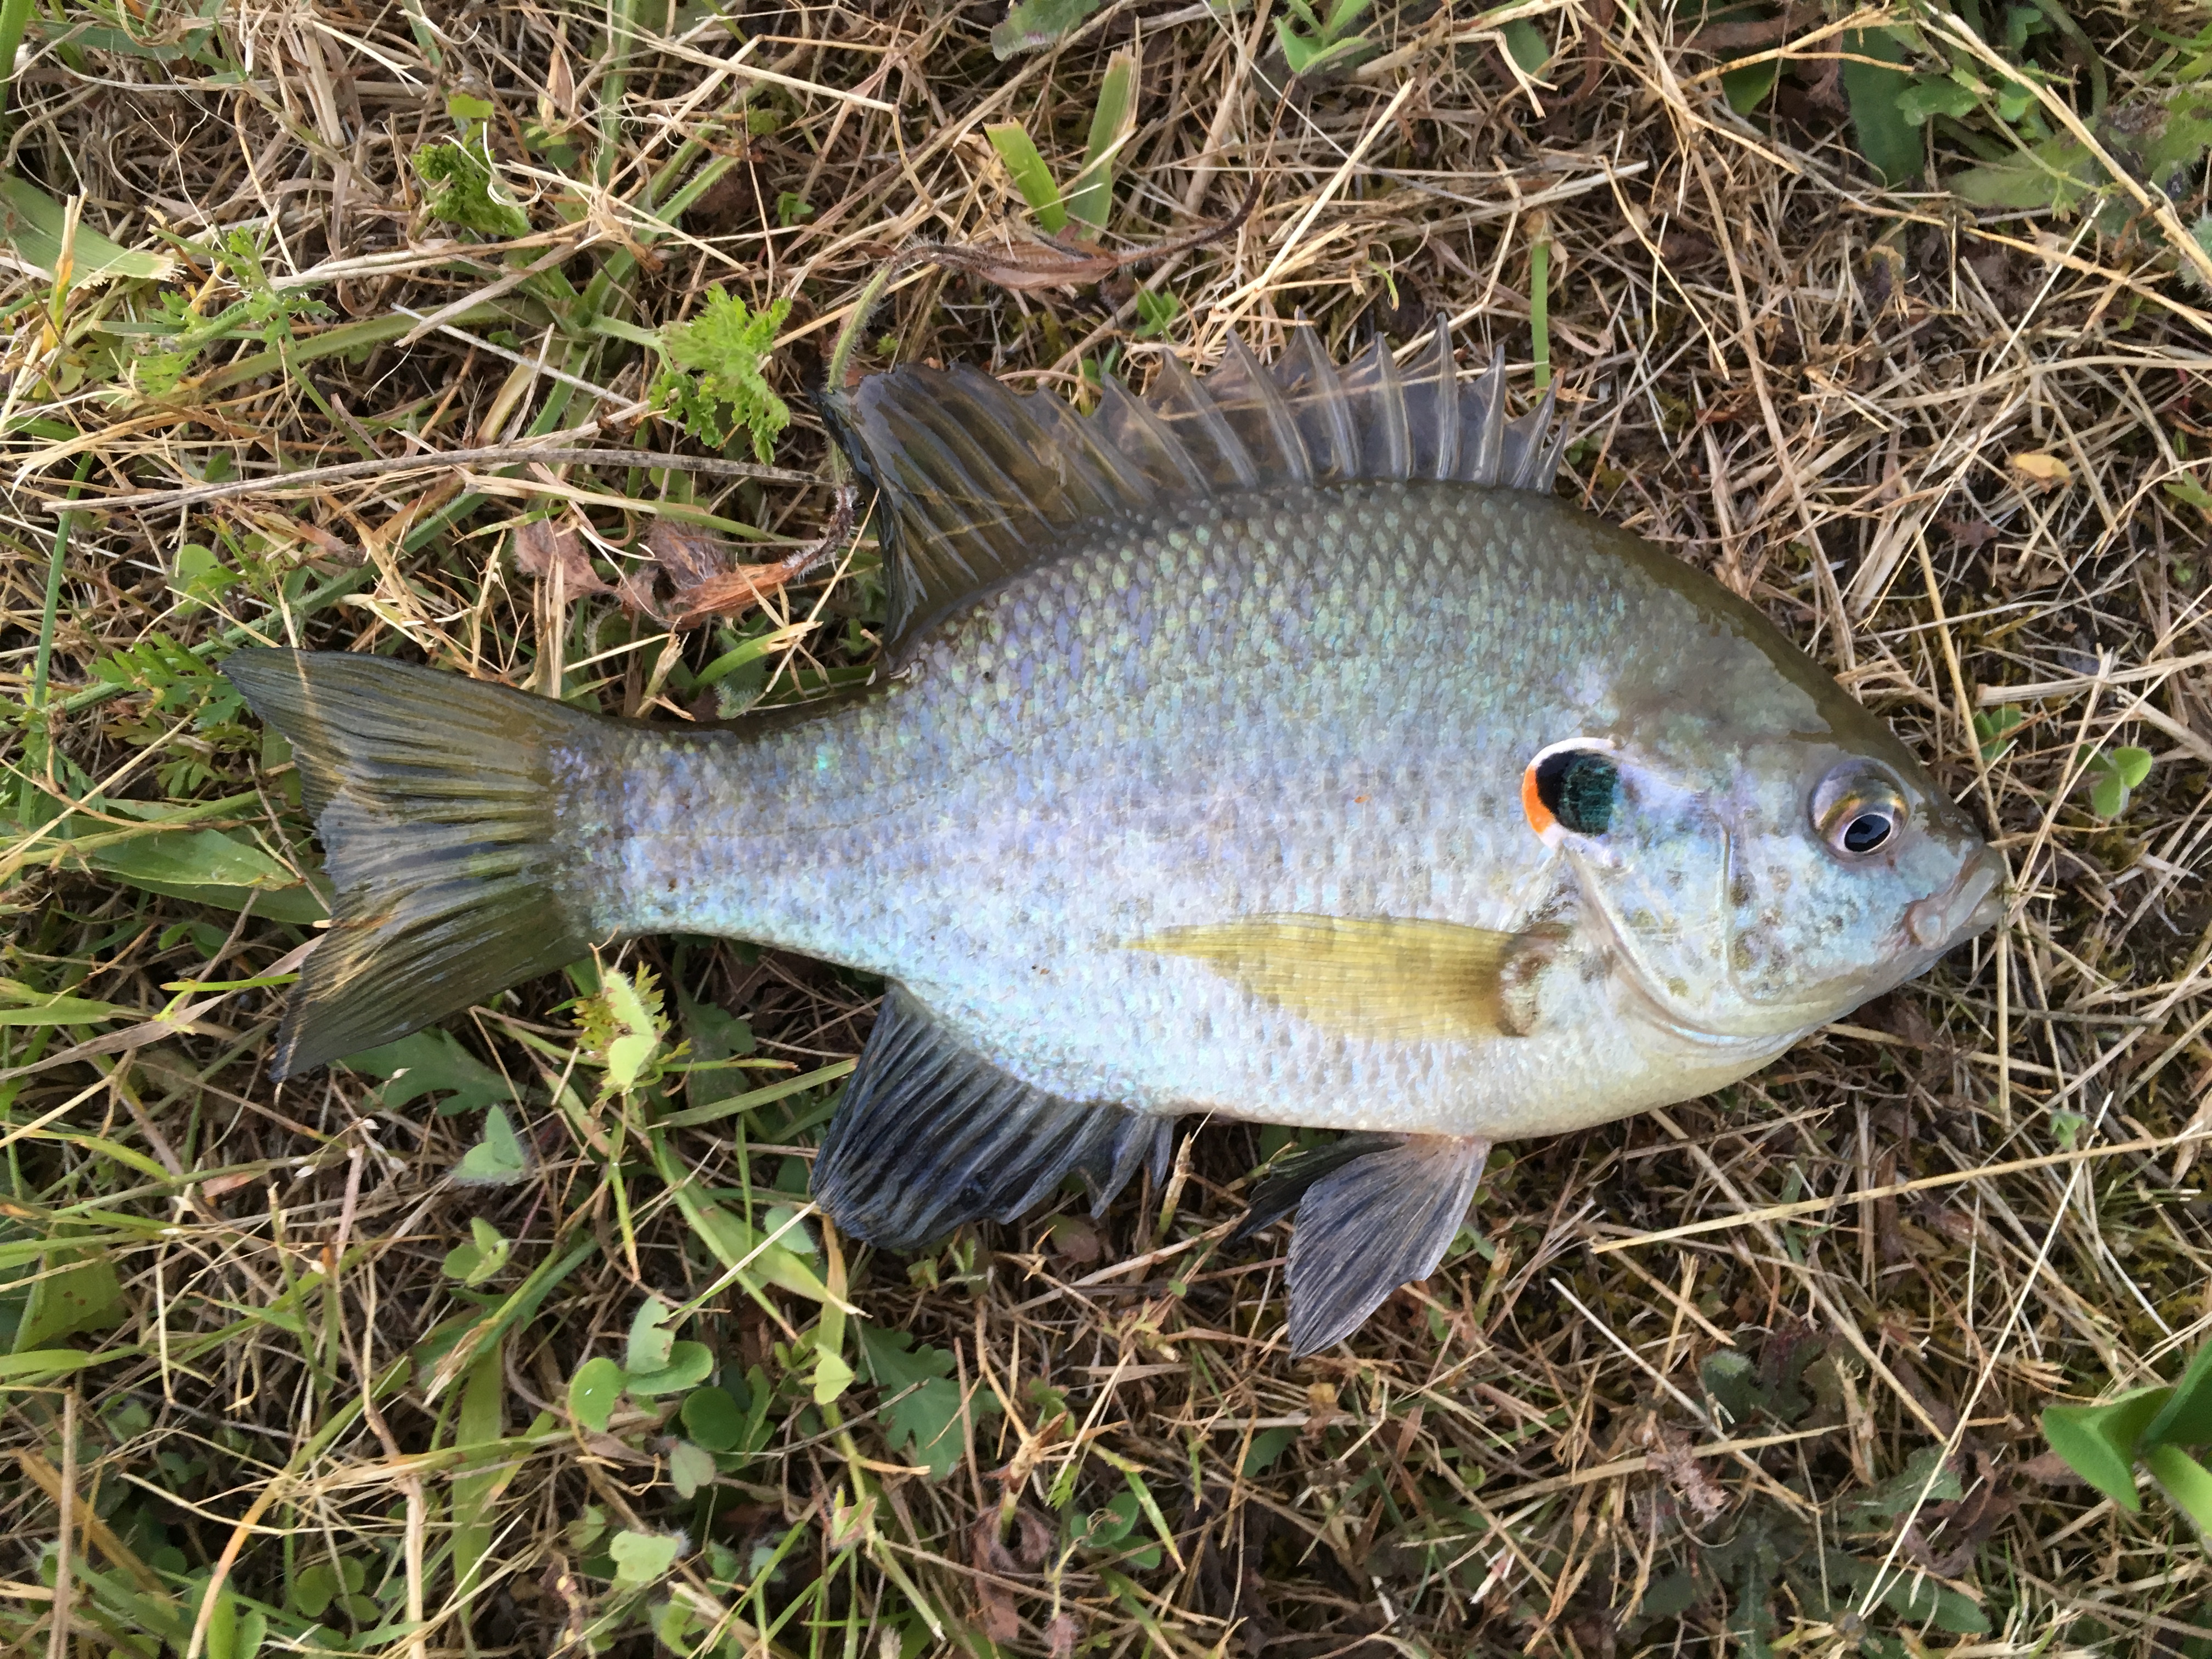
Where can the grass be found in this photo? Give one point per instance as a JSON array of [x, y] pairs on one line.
[[519, 1338]]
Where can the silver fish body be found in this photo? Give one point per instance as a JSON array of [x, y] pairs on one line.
[[1278, 749], [1321, 704]]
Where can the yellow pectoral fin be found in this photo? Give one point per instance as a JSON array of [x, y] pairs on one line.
[[1373, 977]]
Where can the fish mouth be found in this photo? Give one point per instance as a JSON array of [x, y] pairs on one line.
[[1971, 903]]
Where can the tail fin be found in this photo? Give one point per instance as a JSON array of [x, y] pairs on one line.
[[432, 795]]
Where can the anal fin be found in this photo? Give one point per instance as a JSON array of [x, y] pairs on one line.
[[931, 1134], [1374, 1213]]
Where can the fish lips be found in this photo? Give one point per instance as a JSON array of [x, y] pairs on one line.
[[1930, 927], [1971, 904]]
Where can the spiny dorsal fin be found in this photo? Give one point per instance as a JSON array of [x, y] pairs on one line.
[[977, 482]]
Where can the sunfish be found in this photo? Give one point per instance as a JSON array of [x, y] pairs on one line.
[[1274, 746]]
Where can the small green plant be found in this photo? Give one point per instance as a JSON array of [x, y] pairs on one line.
[[479, 1261], [1089, 195], [2112, 776], [1993, 730], [1968, 77], [925, 1411], [462, 189], [1766, 1557], [2151, 1426], [263, 313], [653, 1363], [464, 192], [499, 1159], [623, 1027], [1313, 40], [1156, 311], [712, 384]]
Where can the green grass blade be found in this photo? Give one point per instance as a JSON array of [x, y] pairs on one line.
[[1031, 177], [1892, 146], [1540, 310], [2184, 1480], [2187, 1419], [1090, 197], [31, 223], [15, 17], [2099, 1441]]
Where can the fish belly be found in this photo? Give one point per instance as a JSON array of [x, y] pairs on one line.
[[1317, 702]]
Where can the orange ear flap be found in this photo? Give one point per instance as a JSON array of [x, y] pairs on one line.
[[1532, 803]]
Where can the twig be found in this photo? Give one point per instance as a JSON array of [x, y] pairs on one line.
[[314, 476], [1815, 1205]]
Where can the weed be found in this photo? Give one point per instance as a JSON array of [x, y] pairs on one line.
[[1088, 197], [2112, 776], [1313, 39], [712, 385], [2151, 1426]]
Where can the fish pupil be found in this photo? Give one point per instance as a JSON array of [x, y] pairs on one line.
[[1579, 788], [1866, 832]]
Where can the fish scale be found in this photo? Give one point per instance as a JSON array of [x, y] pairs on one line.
[[1202, 778]]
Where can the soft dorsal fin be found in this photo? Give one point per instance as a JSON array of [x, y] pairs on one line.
[[977, 483]]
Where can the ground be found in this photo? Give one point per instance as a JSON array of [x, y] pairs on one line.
[[519, 1338]]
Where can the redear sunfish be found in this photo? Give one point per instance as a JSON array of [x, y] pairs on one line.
[[1275, 746]]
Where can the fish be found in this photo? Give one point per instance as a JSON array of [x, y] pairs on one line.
[[1276, 745]]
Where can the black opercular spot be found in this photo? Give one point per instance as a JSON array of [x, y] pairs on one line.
[[1867, 831], [1579, 787]]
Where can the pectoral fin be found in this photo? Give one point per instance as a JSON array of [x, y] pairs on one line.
[[1367, 1223], [1373, 977]]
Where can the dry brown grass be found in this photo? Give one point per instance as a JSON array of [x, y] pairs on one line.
[[1813, 388]]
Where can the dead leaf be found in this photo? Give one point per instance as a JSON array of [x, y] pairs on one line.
[[1063, 262], [734, 591], [2043, 470], [1669, 1451], [687, 553], [1001, 1622], [1076, 1237], [543, 549], [1972, 534], [329, 545], [2051, 1469], [1036, 1538], [560, 80], [702, 584]]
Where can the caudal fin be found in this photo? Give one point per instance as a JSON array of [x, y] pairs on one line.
[[434, 797]]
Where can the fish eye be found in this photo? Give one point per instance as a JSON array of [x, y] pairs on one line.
[[1858, 813], [1576, 788]]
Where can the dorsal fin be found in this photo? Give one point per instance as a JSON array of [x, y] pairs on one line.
[[977, 483]]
